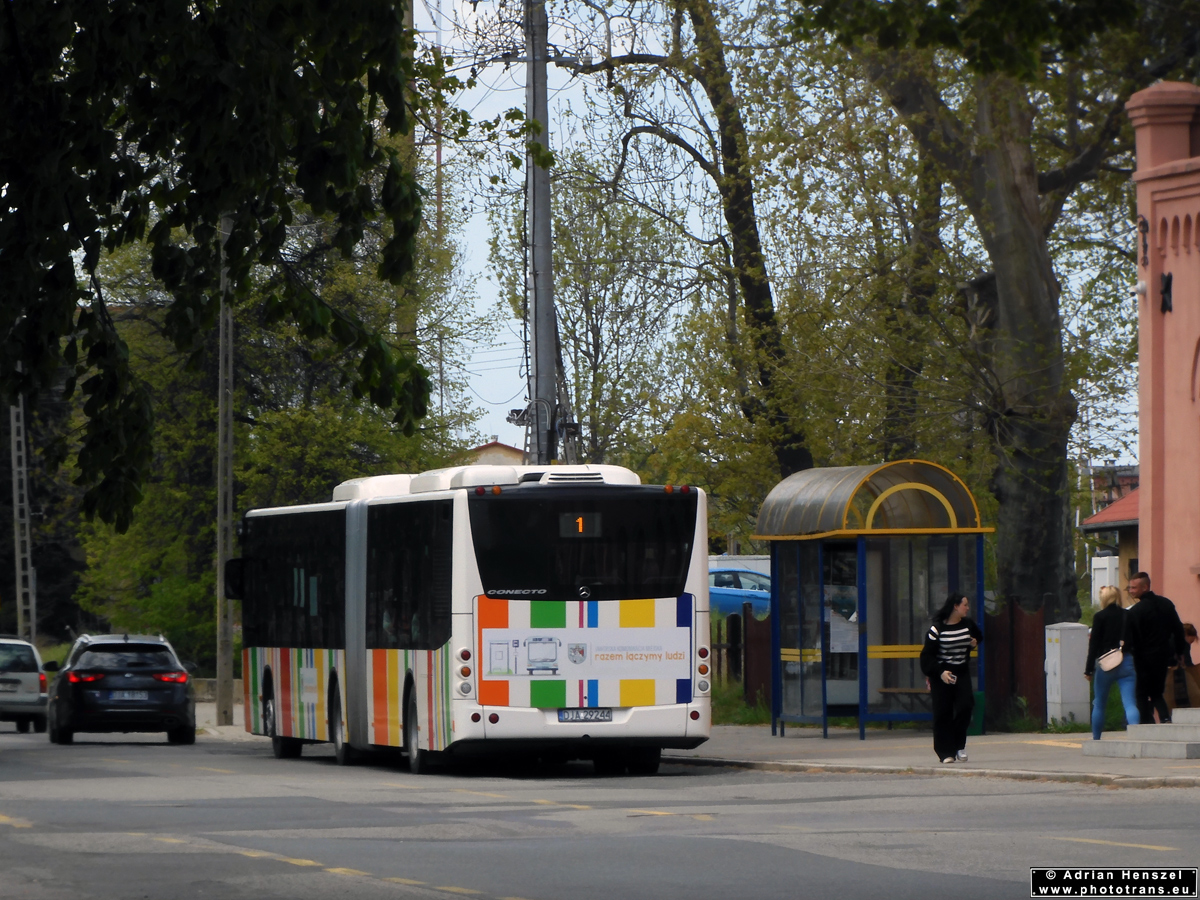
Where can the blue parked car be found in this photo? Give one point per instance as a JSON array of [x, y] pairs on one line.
[[728, 589]]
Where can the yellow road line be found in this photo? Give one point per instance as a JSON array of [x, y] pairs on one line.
[[337, 870], [222, 771], [480, 793], [457, 890], [651, 812], [703, 817], [170, 840], [1068, 744], [297, 862], [15, 822], [407, 787], [1118, 844], [403, 881], [257, 854]]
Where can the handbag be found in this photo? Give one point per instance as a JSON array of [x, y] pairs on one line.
[[1110, 660]]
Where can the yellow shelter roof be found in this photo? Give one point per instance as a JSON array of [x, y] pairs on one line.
[[909, 496]]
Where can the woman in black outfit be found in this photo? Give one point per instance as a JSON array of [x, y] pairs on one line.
[[1112, 629], [948, 645]]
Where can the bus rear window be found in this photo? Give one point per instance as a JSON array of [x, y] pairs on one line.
[[595, 543]]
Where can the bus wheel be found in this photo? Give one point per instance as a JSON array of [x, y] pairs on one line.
[[343, 753], [23, 726], [418, 759], [645, 760], [281, 747], [609, 764]]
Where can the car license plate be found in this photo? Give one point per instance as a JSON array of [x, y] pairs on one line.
[[7, 687], [585, 715], [128, 695]]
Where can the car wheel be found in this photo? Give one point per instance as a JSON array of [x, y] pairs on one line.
[[418, 759], [59, 735], [645, 761], [281, 747], [23, 726], [39, 724], [184, 734], [343, 753]]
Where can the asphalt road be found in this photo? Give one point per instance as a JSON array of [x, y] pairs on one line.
[[121, 817]]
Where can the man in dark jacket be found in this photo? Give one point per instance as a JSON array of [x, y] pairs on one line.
[[1159, 640]]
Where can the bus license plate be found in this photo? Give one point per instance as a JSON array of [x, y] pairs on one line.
[[585, 715], [128, 695]]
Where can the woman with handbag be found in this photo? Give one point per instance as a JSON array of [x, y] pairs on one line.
[[1108, 660]]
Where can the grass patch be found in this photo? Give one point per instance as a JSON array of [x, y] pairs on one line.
[[729, 707], [53, 652]]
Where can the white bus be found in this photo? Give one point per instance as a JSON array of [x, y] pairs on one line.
[[558, 612]]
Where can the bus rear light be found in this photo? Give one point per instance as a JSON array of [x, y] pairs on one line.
[[496, 489], [702, 686], [668, 488], [464, 688], [465, 672], [685, 489], [464, 654], [695, 714], [479, 492], [475, 717], [703, 669], [702, 653], [493, 718]]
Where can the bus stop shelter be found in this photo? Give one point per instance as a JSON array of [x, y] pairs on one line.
[[861, 559]]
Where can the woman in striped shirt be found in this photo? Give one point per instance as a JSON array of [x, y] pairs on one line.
[[948, 645]]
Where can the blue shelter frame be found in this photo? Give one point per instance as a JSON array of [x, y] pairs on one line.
[[861, 558]]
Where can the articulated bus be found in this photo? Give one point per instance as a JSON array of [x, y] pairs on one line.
[[554, 612]]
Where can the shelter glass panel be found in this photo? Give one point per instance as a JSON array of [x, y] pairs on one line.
[[810, 628]]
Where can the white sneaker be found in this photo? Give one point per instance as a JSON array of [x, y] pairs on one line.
[[948, 759], [962, 755]]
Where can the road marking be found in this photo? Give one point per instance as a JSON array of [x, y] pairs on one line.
[[15, 822], [222, 771], [1118, 844], [650, 812], [341, 871], [564, 805], [403, 881], [297, 862], [256, 854], [481, 793], [457, 890], [1070, 745], [407, 787], [170, 840], [703, 817]]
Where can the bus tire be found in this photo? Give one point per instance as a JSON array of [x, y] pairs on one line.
[[281, 747], [418, 759], [343, 753], [22, 726], [609, 764], [645, 760]]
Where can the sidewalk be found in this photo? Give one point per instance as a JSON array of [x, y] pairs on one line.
[[1027, 757]]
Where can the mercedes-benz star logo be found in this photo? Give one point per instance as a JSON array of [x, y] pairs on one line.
[[585, 592]]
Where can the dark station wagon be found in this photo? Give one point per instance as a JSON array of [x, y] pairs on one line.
[[122, 683]]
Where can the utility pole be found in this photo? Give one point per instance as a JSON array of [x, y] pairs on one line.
[[22, 535], [544, 401], [224, 492]]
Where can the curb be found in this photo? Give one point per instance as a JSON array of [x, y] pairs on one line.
[[1124, 781]]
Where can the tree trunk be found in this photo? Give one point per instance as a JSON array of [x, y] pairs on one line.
[[1031, 407], [736, 187]]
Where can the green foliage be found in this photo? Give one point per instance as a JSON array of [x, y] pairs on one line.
[[126, 121], [729, 706], [991, 35]]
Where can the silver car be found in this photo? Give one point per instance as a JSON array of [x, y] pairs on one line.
[[22, 685]]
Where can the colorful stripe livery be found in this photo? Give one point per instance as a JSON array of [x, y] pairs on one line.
[[300, 681], [548, 654], [386, 674]]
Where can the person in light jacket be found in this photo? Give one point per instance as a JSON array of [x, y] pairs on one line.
[[1112, 628], [944, 661]]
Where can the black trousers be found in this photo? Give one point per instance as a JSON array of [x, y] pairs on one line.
[[1151, 679], [952, 707]]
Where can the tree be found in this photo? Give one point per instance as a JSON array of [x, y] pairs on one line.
[[127, 120], [1022, 65]]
